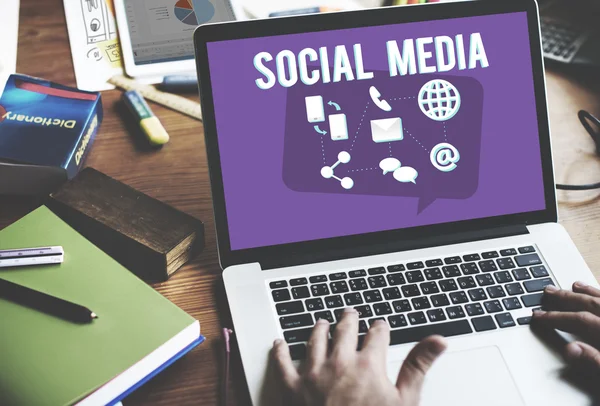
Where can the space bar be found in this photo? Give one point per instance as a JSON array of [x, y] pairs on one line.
[[413, 334]]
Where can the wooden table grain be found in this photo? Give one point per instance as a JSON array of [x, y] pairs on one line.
[[177, 174]]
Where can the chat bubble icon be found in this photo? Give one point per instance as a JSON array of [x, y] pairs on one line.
[[406, 174], [389, 165]]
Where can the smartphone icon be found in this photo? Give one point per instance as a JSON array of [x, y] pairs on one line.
[[338, 127], [315, 111]]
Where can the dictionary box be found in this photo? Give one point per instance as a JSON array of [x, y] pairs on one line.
[[46, 132]]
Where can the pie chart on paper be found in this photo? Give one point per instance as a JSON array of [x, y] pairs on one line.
[[194, 12]]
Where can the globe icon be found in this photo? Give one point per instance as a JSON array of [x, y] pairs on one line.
[[439, 100]]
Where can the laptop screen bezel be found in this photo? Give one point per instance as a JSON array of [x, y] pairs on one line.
[[356, 19]]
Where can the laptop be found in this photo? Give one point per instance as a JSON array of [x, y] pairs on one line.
[[398, 161]]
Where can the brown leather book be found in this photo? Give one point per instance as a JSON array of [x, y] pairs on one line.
[[149, 237]]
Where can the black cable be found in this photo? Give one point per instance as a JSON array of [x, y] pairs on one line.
[[586, 120]]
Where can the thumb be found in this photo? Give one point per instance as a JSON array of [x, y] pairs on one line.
[[416, 365], [583, 355]]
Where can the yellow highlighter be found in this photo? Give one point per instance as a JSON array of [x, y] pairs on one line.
[[152, 128]]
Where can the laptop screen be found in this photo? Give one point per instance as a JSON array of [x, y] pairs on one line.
[[345, 132]]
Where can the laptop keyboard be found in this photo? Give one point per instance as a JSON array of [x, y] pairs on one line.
[[461, 294]]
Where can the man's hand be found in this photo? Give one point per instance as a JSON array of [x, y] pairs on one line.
[[347, 377], [578, 313]]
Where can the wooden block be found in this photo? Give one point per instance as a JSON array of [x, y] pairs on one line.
[[150, 238]]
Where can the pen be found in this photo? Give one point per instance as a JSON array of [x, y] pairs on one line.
[[45, 303], [179, 84], [226, 334], [148, 122]]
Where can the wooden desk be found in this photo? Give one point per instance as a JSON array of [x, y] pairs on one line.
[[177, 175]]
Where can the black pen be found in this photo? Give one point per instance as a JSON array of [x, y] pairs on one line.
[[45, 303]]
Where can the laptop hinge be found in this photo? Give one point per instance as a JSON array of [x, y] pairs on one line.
[[395, 246]]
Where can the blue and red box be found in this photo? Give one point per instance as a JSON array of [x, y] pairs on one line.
[[46, 132]]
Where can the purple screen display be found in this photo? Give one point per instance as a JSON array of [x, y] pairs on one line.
[[370, 129]]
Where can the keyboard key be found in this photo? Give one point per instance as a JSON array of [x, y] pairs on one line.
[[401, 306], [339, 287], [511, 303], [434, 262], [362, 327], [490, 255], [324, 315], [358, 284], [415, 265], [528, 260], [298, 281], [436, 315], [495, 292], [410, 290], [466, 282], [298, 352], [290, 307], [455, 312], [397, 321], [334, 301], [376, 281], [503, 277], [278, 284], [505, 263], [537, 285], [372, 296], [440, 300], [493, 306], [301, 292], [313, 304], [469, 268], [509, 252], [338, 313], [301, 320], [377, 271], [539, 271], [505, 320], [372, 321], [414, 276], [396, 279], [526, 250], [477, 294], [352, 299], [433, 274], [448, 285], [391, 293], [382, 308], [488, 266], [452, 260], [337, 276], [396, 268], [451, 271], [474, 309], [415, 334], [417, 318], [521, 274], [320, 289], [281, 295], [420, 303], [514, 289], [364, 311], [524, 320], [318, 279], [458, 297], [485, 280], [296, 336], [484, 323], [471, 257], [429, 287], [358, 273]]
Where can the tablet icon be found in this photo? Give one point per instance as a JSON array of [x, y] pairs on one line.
[[376, 97]]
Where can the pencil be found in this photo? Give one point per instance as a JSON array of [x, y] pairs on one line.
[[45, 303]]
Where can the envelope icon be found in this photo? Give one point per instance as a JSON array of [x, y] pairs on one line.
[[387, 130]]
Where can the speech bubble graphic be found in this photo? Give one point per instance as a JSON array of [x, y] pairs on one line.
[[406, 174], [389, 165], [304, 156]]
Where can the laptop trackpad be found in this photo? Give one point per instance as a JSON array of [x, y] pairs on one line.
[[469, 378]]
